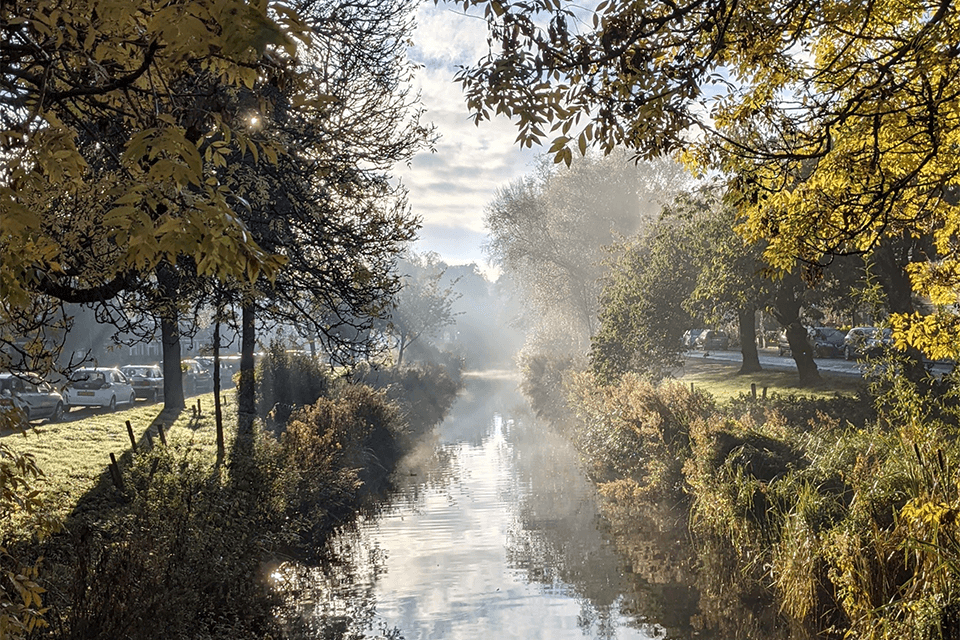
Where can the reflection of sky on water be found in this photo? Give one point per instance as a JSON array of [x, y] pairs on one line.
[[467, 546]]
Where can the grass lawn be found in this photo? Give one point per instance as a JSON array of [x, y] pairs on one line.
[[74, 454], [724, 383]]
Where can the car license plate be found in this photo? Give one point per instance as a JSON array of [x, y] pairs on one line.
[[85, 393]]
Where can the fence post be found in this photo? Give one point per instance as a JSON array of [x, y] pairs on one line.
[[115, 472], [133, 441], [753, 390], [764, 393], [163, 438]]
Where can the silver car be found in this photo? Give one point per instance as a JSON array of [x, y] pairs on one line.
[[31, 395], [147, 380], [99, 388]]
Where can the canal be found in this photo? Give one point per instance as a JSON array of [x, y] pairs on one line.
[[492, 531]]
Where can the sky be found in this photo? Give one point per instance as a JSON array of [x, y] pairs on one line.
[[450, 188]]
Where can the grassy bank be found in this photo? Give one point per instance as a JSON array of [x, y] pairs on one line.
[[74, 453], [827, 515], [724, 382], [185, 547]]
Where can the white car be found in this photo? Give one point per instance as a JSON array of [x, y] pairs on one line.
[[99, 388], [32, 395]]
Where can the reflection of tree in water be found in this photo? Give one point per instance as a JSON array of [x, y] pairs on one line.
[[638, 566], [699, 587], [335, 600]]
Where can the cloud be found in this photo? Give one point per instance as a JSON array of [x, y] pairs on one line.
[[450, 188]]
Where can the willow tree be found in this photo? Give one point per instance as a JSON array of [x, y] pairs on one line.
[[837, 120]]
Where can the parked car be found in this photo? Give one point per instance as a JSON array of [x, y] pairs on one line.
[[229, 365], [824, 342], [713, 340], [146, 379], [879, 342], [98, 387], [855, 342], [32, 395], [689, 339], [827, 342], [196, 377]]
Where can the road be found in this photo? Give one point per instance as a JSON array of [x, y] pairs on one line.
[[770, 360]]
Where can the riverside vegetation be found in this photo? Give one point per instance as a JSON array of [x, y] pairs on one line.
[[188, 549], [808, 516]]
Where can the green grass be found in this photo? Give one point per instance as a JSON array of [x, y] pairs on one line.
[[74, 454], [724, 383]]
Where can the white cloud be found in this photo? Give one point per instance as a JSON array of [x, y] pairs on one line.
[[450, 188]]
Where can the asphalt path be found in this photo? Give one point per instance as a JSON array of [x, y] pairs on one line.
[[770, 360]]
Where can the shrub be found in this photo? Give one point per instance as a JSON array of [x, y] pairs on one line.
[[286, 381], [635, 429], [423, 392]]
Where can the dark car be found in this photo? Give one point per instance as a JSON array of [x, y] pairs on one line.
[[827, 342], [147, 380], [879, 342], [196, 377], [713, 340], [34, 397]]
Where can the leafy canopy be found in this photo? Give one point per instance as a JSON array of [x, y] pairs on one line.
[[836, 122], [105, 149]]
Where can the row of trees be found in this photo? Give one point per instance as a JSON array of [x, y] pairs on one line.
[[160, 158], [623, 277], [832, 125]]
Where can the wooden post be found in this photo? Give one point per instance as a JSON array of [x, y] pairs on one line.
[[163, 438], [764, 393], [753, 390], [153, 469], [149, 439], [115, 472], [691, 387], [199, 410], [133, 440]]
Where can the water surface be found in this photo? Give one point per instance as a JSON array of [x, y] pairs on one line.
[[492, 532]]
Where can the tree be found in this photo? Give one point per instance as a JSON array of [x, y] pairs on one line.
[[424, 305], [549, 232], [641, 318], [731, 280], [327, 204], [102, 140], [834, 121]]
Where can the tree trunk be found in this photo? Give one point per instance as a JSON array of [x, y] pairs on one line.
[[802, 354], [787, 312], [748, 341], [401, 346], [218, 412], [246, 390], [891, 259], [170, 338]]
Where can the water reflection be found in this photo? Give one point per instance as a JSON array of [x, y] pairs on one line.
[[493, 532]]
